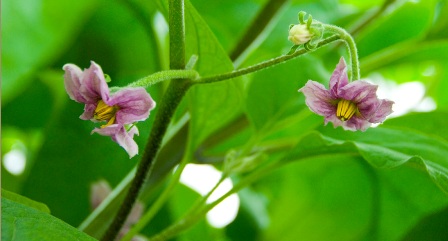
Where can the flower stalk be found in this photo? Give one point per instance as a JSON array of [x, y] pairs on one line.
[[355, 74], [165, 75]]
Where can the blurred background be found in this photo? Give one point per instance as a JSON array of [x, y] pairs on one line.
[[49, 155]]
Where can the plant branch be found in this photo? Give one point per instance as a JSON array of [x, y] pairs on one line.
[[164, 75], [265, 64], [351, 46]]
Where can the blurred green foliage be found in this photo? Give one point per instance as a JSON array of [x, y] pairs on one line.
[[320, 197]]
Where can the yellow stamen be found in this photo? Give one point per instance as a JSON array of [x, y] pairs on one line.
[[346, 109], [103, 112]]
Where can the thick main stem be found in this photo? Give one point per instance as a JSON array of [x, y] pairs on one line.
[[174, 94], [170, 101]]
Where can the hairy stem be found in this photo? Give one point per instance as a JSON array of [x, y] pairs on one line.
[[265, 64], [351, 46], [174, 94], [164, 75]]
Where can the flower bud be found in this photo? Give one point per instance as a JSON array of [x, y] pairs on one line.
[[299, 34]]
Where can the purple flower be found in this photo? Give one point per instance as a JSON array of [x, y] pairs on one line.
[[354, 106], [119, 109]]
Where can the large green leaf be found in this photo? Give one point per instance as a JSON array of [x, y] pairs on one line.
[[21, 222], [34, 34], [211, 105], [392, 147], [408, 22], [25, 201]]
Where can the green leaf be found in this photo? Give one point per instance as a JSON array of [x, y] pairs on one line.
[[34, 34], [409, 22], [392, 147], [20, 222], [211, 105], [25, 201], [430, 228]]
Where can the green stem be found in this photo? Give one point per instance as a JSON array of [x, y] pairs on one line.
[[159, 202], [191, 219], [265, 64], [164, 75], [351, 46], [174, 94], [177, 34]]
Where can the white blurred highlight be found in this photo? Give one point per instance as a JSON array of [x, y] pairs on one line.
[[14, 161], [202, 178], [408, 97]]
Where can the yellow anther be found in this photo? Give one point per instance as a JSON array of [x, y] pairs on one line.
[[346, 109], [103, 112]]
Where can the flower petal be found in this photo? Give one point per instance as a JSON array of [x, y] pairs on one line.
[[356, 123], [94, 86], [384, 109], [338, 79], [89, 111], [134, 103], [126, 140], [119, 134], [72, 82], [318, 99]]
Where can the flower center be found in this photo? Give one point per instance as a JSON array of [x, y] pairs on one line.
[[104, 112], [346, 109]]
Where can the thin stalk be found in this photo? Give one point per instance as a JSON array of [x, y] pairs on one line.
[[351, 46], [164, 75], [265, 64]]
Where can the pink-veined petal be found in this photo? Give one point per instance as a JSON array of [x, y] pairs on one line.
[[72, 82], [94, 84], [134, 104], [126, 140], [384, 109], [318, 99], [356, 123], [338, 79]]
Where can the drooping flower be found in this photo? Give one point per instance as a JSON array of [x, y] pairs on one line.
[[99, 191], [119, 109], [354, 106]]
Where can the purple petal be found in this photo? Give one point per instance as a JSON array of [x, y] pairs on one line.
[[89, 111], [72, 82], [318, 99], [134, 103], [110, 130], [94, 86], [338, 79], [356, 123], [334, 119], [119, 134], [358, 91], [384, 109], [126, 140]]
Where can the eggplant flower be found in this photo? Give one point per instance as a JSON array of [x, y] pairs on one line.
[[119, 110], [354, 106]]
